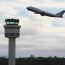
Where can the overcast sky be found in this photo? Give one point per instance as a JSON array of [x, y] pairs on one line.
[[39, 35]]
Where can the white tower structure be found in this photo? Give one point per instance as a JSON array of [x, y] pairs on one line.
[[12, 31]]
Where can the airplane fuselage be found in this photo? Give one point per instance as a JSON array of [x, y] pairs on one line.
[[42, 13], [49, 14]]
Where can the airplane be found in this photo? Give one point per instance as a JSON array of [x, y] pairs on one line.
[[44, 13]]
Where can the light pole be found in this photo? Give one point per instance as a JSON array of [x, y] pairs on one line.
[[12, 31]]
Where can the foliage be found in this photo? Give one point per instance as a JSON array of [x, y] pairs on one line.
[[35, 61]]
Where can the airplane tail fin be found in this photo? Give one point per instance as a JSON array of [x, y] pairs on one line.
[[61, 13]]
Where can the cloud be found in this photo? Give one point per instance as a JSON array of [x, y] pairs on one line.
[[46, 3], [59, 0], [45, 41], [3, 48], [40, 53]]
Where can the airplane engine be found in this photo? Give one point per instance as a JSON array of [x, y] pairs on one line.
[[42, 14]]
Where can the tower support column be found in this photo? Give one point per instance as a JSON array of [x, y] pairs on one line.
[[11, 51]]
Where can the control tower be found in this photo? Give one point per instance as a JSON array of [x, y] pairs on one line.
[[12, 31]]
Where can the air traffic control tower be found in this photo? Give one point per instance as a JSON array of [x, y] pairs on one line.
[[12, 31]]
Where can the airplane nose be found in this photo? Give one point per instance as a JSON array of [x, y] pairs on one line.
[[27, 8], [30, 8]]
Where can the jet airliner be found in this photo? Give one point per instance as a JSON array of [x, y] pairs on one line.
[[44, 13]]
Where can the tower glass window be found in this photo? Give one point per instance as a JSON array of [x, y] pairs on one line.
[[12, 21]]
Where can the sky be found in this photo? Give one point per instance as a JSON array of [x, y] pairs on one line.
[[39, 35]]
